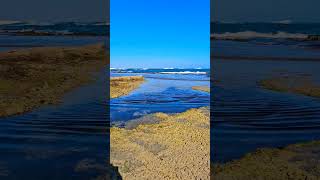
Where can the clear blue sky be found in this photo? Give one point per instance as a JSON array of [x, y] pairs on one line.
[[159, 34], [265, 10], [54, 10]]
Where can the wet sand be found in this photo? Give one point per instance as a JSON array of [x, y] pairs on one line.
[[34, 77], [173, 147], [299, 161], [299, 84], [120, 86]]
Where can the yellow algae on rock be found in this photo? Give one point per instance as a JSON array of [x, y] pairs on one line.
[[293, 83], [120, 86], [202, 88], [298, 161], [176, 147], [34, 77]]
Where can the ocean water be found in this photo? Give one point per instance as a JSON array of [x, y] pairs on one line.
[[165, 90], [264, 27], [8, 42], [64, 141], [293, 35], [244, 115], [247, 117], [53, 142], [92, 28]]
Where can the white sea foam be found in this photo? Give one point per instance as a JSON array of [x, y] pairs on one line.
[[31, 23], [245, 35], [64, 32], [7, 22], [117, 68], [34, 23], [101, 24], [287, 21]]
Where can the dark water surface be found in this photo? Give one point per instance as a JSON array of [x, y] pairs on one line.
[[65, 141], [168, 93], [8, 42], [267, 27], [247, 117], [67, 28], [51, 142]]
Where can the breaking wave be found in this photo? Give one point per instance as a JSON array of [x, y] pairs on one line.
[[247, 35]]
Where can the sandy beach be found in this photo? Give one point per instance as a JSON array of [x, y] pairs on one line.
[[41, 76]]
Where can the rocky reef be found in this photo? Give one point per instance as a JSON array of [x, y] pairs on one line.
[[120, 86], [300, 84], [202, 88], [174, 146], [294, 162], [34, 77]]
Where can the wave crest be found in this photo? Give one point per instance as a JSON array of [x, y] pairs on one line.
[[247, 35]]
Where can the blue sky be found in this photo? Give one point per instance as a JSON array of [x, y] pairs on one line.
[[54, 10], [265, 10], [159, 34]]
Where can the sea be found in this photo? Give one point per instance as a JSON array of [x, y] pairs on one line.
[[64, 141], [167, 90], [246, 117], [28, 35], [69, 141]]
